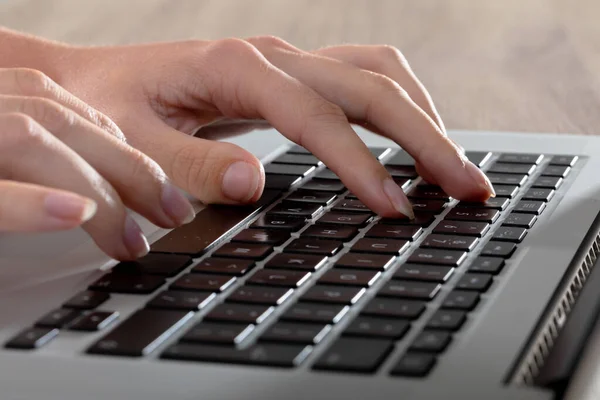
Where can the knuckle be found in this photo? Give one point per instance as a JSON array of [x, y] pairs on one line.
[[233, 49], [318, 113], [270, 41], [19, 130], [49, 112], [391, 53], [141, 167], [31, 81], [192, 168]]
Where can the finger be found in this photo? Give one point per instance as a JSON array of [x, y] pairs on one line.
[[380, 101], [29, 153], [32, 208], [140, 182], [30, 82]]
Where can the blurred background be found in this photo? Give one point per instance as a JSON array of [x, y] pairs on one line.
[[519, 65]]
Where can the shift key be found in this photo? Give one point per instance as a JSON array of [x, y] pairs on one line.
[[141, 333]]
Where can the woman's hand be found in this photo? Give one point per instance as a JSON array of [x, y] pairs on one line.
[[159, 94], [64, 164]]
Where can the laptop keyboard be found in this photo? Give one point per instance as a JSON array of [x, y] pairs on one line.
[[310, 276]]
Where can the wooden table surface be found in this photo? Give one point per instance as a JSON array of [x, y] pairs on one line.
[[520, 65]]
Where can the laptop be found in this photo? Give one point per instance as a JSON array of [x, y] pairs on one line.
[[307, 294]]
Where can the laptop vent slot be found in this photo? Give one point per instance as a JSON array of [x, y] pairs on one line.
[[534, 360]]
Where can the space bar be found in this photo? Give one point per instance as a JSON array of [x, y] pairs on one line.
[[210, 226]]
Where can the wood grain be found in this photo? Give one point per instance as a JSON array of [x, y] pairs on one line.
[[521, 65]]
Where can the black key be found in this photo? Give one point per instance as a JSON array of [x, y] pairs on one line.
[[499, 249], [280, 277], [377, 327], [314, 246], [539, 194], [333, 294], [95, 321], [506, 179], [414, 364], [349, 277], [272, 296], [473, 214], [296, 209], [344, 233], [489, 265], [141, 333], [380, 246], [479, 158], [520, 220], [506, 190], [365, 261], [32, 338], [311, 196], [430, 273], [510, 234], [530, 207], [218, 333], [244, 250], [477, 282], [305, 262], [430, 206], [58, 318], [339, 218], [410, 290], [431, 341], [128, 283], [269, 354], [461, 300], [497, 203], [556, 170], [428, 192], [232, 312], [301, 159], [439, 257], [327, 174], [421, 219], [324, 185], [401, 158], [288, 169], [294, 332], [312, 312], [447, 320], [264, 236], [437, 241], [155, 264], [512, 168], [394, 308], [210, 226], [225, 266], [296, 149], [203, 282], [548, 182], [291, 224], [405, 232], [398, 171], [521, 158], [87, 300], [351, 205], [281, 182], [355, 354], [564, 160], [463, 228], [181, 300]]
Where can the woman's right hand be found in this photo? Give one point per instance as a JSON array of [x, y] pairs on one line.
[[64, 164]]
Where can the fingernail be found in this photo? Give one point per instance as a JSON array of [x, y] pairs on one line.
[[134, 239], [397, 197], [67, 206], [176, 205], [240, 181], [478, 176]]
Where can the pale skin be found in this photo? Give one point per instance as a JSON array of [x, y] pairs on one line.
[[87, 132]]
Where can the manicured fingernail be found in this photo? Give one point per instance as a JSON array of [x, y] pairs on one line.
[[240, 181], [398, 198], [67, 206], [134, 239], [478, 176], [176, 205]]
